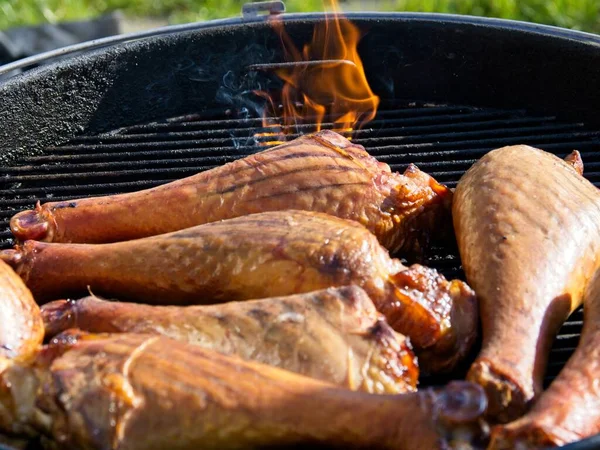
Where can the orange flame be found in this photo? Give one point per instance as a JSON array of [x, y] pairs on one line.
[[327, 80]]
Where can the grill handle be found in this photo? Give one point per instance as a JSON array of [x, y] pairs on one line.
[[254, 9]]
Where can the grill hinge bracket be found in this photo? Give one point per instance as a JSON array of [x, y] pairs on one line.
[[255, 9]]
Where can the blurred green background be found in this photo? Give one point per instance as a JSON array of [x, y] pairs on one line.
[[578, 14]]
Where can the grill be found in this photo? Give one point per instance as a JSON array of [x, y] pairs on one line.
[[443, 140], [143, 113]]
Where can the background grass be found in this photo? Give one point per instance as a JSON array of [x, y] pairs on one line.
[[577, 14]]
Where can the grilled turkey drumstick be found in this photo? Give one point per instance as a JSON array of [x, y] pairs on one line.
[[528, 230], [570, 409], [322, 172], [21, 325], [334, 335], [258, 256], [133, 391], [21, 335]]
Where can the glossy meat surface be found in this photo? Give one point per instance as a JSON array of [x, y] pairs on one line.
[[21, 325], [149, 392], [259, 256], [528, 230], [323, 172], [570, 409], [334, 335]]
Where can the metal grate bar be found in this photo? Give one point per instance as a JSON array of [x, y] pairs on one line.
[[383, 153], [450, 125], [200, 162], [437, 140], [49, 190], [387, 153], [236, 119], [5, 234], [176, 172], [125, 165]]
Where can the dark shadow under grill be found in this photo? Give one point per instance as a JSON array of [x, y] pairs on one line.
[[442, 140]]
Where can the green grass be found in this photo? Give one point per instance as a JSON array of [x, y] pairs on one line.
[[577, 14]]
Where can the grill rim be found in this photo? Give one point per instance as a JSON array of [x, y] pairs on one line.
[[509, 24]]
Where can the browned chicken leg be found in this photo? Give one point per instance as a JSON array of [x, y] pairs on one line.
[[334, 335], [528, 230], [323, 172], [129, 391], [258, 256], [570, 409], [21, 325]]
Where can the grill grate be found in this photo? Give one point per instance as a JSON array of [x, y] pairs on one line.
[[442, 140]]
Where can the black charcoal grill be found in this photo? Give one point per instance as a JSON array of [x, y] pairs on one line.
[[136, 111]]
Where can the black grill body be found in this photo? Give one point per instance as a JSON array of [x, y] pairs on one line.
[[143, 113]]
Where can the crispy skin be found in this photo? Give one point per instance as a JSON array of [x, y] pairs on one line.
[[21, 325], [334, 335], [133, 391], [323, 172], [258, 256], [570, 409], [527, 226]]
